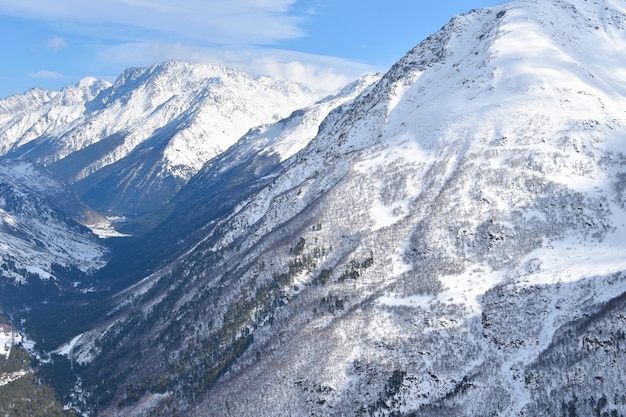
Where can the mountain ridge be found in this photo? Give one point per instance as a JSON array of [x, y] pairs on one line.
[[40, 228], [442, 200], [449, 241], [190, 112]]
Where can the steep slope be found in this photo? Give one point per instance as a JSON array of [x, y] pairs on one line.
[[131, 147], [260, 155], [41, 242], [222, 183], [450, 244], [27, 119]]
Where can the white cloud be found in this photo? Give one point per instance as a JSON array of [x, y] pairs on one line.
[[45, 75], [325, 74], [56, 43], [211, 21], [233, 33]]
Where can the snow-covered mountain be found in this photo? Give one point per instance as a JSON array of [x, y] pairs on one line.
[[149, 132], [451, 242], [41, 113], [40, 230], [226, 180], [264, 151]]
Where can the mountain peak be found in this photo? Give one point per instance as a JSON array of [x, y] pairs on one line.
[[20, 102], [449, 235], [442, 241]]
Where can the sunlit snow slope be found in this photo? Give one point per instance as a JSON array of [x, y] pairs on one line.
[[39, 227], [452, 243], [146, 134]]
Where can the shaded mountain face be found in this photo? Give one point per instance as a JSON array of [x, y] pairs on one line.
[[44, 248], [29, 123], [449, 243], [127, 148], [236, 174]]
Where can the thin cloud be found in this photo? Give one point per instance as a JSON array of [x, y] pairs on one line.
[[45, 75], [56, 43], [259, 22]]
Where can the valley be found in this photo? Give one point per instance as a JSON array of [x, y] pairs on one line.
[[446, 238]]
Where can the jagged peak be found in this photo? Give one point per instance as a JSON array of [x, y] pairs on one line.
[[93, 84], [37, 92], [173, 76], [80, 93], [31, 98]]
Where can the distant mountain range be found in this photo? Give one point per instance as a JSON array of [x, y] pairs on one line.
[[443, 239], [139, 140]]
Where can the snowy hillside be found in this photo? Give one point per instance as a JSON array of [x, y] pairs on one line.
[[40, 113], [38, 226], [236, 174], [152, 129], [450, 243]]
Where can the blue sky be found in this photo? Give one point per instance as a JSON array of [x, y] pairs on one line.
[[321, 42]]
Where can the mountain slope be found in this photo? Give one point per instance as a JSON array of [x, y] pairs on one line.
[[222, 183], [149, 132], [449, 244], [41, 241], [27, 119]]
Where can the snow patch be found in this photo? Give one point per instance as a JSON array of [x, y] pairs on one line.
[[105, 228]]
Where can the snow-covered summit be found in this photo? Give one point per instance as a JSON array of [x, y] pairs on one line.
[[20, 102], [451, 242], [184, 114], [26, 119]]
